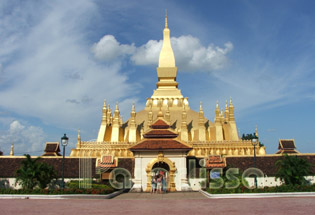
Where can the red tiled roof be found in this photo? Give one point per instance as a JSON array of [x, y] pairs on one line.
[[160, 133], [52, 149], [287, 147], [160, 144], [160, 124], [286, 144]]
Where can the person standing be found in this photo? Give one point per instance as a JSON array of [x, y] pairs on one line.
[[153, 184], [163, 184], [159, 184]]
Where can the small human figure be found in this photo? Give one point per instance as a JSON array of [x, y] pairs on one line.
[[159, 184], [153, 184], [163, 184]]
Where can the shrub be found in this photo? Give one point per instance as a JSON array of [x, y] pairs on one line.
[[292, 169]]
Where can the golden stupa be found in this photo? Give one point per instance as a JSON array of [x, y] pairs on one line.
[[205, 137]]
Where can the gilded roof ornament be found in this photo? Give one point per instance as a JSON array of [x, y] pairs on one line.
[[201, 110], [166, 25], [133, 107]]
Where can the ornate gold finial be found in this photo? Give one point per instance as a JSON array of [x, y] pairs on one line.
[[231, 103], [133, 107], [226, 104], [79, 136], [104, 103], [166, 26], [217, 105], [116, 106], [201, 110], [12, 150]]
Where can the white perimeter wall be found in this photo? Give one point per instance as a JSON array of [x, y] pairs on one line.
[[261, 182]]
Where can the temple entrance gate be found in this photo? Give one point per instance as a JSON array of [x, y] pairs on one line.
[[161, 163]]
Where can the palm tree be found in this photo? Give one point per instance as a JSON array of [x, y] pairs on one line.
[[26, 175], [45, 174], [292, 169], [33, 173]]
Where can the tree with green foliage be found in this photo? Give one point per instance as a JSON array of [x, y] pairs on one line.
[[250, 137], [46, 174], [292, 169], [33, 173]]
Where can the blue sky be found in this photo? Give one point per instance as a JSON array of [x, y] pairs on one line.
[[60, 59]]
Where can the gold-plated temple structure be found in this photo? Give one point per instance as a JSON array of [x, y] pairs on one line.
[[205, 137]]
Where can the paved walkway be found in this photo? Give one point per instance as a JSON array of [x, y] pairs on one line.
[[166, 196], [286, 206]]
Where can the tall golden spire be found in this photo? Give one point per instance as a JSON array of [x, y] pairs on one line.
[[167, 58], [167, 87]]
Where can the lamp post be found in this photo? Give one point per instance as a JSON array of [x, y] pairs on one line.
[[64, 143], [255, 142]]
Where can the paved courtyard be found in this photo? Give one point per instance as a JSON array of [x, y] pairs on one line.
[[173, 203], [149, 196]]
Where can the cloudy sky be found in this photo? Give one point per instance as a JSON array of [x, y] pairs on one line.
[[60, 59]]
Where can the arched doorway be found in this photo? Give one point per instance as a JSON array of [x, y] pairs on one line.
[[162, 163], [161, 168]]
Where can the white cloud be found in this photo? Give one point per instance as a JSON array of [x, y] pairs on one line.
[[50, 74], [189, 53], [147, 54], [26, 139], [108, 48]]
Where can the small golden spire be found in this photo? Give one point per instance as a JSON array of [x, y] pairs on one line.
[[12, 150], [226, 111], [201, 110], [217, 105], [133, 107], [79, 136], [231, 103]]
